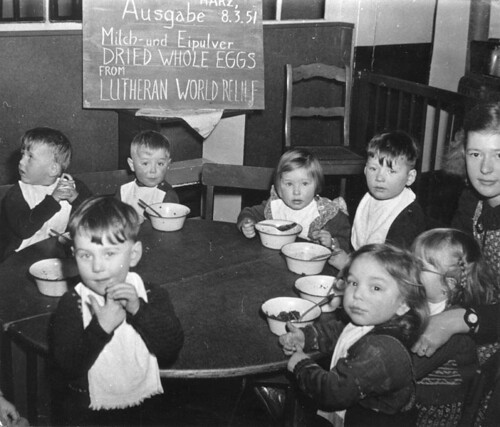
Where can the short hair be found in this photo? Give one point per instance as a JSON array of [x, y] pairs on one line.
[[54, 139], [405, 269], [300, 158], [476, 283], [482, 118], [150, 139], [105, 216], [389, 146]]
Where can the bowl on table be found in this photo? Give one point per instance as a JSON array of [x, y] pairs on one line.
[[53, 274], [280, 310], [173, 216], [273, 238], [305, 257], [314, 288]]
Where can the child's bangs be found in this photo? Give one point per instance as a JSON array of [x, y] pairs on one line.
[[113, 232]]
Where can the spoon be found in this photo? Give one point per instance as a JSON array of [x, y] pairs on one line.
[[144, 205], [326, 299], [284, 227]]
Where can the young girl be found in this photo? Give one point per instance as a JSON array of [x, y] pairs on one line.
[[370, 381], [478, 214], [294, 196], [454, 274]]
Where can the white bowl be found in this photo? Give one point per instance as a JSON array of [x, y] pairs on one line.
[[282, 305], [273, 238], [172, 218], [315, 288], [52, 274], [299, 256]]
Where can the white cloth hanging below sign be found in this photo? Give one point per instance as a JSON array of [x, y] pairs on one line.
[[202, 121]]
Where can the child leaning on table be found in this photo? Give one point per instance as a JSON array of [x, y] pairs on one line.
[[294, 197], [370, 380], [388, 212], [454, 274], [109, 332], [149, 160], [44, 196]]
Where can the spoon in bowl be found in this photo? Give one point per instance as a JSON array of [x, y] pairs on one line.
[[326, 299], [284, 227], [145, 206]]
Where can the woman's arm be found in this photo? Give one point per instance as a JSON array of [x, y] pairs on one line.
[[448, 323]]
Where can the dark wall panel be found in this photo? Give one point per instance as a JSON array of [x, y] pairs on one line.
[[41, 85]]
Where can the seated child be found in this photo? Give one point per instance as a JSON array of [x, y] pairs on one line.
[[388, 212], [44, 197], [370, 381], [454, 274], [294, 197], [109, 332], [149, 160]]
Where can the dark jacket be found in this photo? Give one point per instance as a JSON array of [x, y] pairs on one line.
[[407, 225], [374, 383], [18, 221]]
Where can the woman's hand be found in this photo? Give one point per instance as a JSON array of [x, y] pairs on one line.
[[440, 329]]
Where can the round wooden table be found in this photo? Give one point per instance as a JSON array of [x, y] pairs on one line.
[[217, 280]]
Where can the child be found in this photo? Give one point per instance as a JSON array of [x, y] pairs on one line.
[[294, 196], [108, 333], [44, 197], [388, 212], [370, 381], [149, 160], [454, 274]]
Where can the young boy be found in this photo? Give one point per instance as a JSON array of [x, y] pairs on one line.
[[44, 197], [388, 212], [149, 160], [109, 332]]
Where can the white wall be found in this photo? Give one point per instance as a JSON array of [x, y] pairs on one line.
[[383, 22]]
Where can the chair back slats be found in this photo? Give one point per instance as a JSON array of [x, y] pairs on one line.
[[431, 115], [318, 111], [232, 176], [318, 70]]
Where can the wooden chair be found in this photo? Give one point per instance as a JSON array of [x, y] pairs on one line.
[[328, 83], [232, 176]]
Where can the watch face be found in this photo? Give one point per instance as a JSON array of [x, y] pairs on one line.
[[472, 318]]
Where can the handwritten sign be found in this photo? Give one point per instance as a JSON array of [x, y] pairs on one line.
[[175, 54]]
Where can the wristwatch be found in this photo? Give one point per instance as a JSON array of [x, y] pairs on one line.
[[471, 319]]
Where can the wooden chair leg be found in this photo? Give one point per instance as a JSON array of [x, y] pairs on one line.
[[32, 386], [7, 384]]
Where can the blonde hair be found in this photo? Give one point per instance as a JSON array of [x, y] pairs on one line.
[[52, 138], [299, 158], [150, 139], [475, 282]]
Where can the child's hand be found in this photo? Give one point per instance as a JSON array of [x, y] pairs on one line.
[[293, 340], [8, 412], [339, 259], [296, 358], [248, 228], [323, 237], [110, 315], [126, 295], [65, 189]]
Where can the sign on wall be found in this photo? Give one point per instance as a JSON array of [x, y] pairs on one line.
[[175, 54]]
